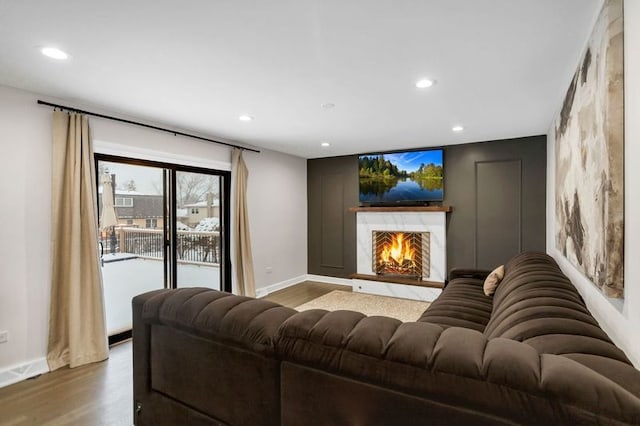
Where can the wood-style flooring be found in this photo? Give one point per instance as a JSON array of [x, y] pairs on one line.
[[303, 293], [102, 393], [96, 394]]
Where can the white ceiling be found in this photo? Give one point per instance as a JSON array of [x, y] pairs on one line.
[[501, 66]]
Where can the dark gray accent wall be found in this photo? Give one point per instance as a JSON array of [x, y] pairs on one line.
[[497, 190], [498, 212], [332, 187], [498, 193]]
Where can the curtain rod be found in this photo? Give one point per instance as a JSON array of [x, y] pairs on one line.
[[122, 120]]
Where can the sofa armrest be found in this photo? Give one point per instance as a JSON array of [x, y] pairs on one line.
[[141, 333], [194, 348], [476, 274]]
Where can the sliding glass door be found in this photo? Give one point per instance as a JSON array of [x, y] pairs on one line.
[[198, 230], [161, 226], [131, 235]]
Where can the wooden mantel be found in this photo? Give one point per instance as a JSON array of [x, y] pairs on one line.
[[389, 209]]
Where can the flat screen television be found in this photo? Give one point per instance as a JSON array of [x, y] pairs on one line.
[[401, 178]]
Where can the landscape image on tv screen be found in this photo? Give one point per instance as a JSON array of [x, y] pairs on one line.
[[410, 177]]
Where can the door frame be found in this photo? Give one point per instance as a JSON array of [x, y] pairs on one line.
[[170, 236]]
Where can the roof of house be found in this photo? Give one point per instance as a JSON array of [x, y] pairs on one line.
[[214, 203], [144, 206]]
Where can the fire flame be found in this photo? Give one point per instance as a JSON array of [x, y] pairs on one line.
[[399, 250]]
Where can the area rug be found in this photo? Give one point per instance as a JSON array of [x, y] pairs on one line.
[[403, 309]]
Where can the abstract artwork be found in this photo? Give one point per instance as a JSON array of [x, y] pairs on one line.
[[589, 151]]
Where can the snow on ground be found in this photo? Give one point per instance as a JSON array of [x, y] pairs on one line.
[[181, 226], [208, 224], [124, 279]]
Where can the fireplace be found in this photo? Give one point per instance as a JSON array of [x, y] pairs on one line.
[[425, 272], [401, 253]]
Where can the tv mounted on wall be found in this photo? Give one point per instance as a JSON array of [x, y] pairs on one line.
[[401, 178]]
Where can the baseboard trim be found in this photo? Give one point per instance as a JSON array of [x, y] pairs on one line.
[[330, 280], [18, 373], [265, 291]]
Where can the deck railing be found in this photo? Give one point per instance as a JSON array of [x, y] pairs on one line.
[[199, 246], [191, 246]]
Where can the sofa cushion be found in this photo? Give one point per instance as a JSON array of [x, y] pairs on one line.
[[461, 304], [492, 281]]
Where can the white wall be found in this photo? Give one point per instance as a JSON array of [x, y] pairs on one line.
[[620, 322], [25, 229], [276, 198], [276, 194]]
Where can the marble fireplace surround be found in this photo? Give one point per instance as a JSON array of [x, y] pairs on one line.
[[409, 219]]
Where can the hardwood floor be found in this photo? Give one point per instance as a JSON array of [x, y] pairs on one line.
[[303, 293], [102, 393], [96, 394]]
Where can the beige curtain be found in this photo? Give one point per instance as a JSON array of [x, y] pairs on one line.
[[242, 240], [77, 331]]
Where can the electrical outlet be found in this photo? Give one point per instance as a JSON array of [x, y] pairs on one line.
[[268, 269], [4, 336]]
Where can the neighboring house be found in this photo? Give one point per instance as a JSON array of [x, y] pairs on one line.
[[195, 212], [135, 209], [182, 216], [139, 210]]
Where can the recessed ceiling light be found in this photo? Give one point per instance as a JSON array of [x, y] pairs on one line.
[[457, 128], [54, 53], [328, 105], [245, 117], [424, 83], [325, 144]]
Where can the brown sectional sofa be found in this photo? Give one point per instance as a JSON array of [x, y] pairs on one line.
[[531, 354]]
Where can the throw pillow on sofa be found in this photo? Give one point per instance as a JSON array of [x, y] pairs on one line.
[[492, 281]]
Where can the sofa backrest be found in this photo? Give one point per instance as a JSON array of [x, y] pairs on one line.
[[240, 320], [538, 305], [457, 368]]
